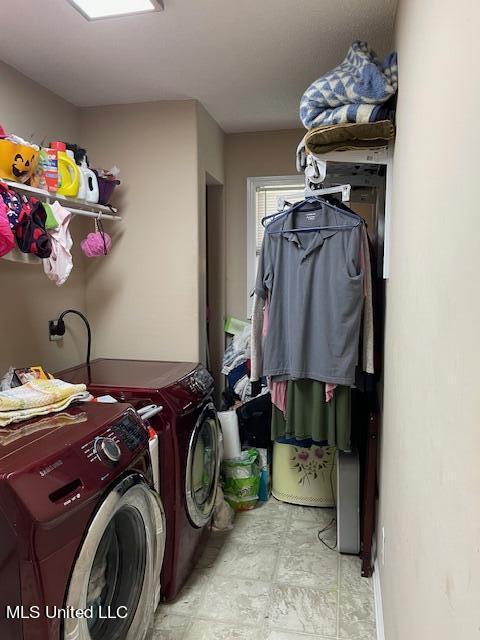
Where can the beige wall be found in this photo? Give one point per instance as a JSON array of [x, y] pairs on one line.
[[148, 298], [430, 473], [248, 155], [29, 299], [211, 140], [210, 146], [143, 300]]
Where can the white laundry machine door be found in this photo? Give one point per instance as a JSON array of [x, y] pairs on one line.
[[203, 467], [117, 571]]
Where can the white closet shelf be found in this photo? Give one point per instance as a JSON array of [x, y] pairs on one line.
[[76, 206]]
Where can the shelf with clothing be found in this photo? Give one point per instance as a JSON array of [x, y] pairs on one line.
[[74, 205], [35, 228]]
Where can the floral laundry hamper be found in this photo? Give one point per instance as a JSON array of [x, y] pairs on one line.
[[304, 475]]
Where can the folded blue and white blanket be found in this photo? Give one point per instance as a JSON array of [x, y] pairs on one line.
[[355, 91]]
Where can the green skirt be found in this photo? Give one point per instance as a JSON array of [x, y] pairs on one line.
[[310, 417]]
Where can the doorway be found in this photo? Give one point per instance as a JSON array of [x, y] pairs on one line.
[[215, 281]]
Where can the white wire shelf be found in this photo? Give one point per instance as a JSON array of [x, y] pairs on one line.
[[74, 205]]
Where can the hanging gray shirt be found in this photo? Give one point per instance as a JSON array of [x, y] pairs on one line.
[[314, 282]]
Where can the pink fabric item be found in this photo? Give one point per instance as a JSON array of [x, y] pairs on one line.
[[279, 394], [278, 390], [266, 309], [93, 245], [329, 389], [7, 241], [59, 264]]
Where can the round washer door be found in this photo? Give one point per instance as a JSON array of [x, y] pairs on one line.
[[116, 577], [203, 467]]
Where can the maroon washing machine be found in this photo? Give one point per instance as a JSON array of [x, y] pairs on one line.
[[82, 532], [189, 447]]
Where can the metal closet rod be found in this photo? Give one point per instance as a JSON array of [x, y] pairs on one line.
[[344, 189], [97, 210], [92, 214]]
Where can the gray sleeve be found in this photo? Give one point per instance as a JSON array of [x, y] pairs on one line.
[[368, 359], [256, 339], [264, 279], [353, 261]]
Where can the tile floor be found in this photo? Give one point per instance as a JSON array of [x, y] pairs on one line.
[[271, 579]]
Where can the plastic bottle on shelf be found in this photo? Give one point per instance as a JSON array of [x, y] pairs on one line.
[[68, 172], [82, 184], [90, 182]]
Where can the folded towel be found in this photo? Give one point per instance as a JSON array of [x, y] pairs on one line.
[[352, 92], [350, 135], [37, 393], [18, 415]]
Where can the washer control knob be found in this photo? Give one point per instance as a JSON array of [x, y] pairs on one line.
[[108, 450]]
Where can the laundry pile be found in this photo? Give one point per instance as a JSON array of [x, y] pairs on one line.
[[246, 408], [36, 228], [355, 91], [236, 366], [352, 106], [37, 398], [23, 222]]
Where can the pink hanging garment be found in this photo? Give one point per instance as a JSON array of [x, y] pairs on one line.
[[278, 391], [7, 241], [265, 318], [329, 390], [60, 263]]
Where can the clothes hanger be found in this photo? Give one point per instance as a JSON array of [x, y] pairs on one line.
[[282, 203], [315, 170], [345, 227], [316, 199], [313, 192]]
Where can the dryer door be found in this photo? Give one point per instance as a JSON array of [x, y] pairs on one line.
[[203, 467], [116, 578]]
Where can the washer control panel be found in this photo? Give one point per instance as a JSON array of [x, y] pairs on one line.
[[199, 382], [130, 431], [107, 450], [107, 446]]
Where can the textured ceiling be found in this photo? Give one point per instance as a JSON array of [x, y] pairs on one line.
[[247, 61]]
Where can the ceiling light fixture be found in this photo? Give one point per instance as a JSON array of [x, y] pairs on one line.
[[98, 9]]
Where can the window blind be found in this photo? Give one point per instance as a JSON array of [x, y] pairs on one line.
[[267, 202]]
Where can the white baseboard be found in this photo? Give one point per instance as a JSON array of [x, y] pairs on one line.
[[377, 592]]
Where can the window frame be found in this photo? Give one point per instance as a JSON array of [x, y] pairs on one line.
[[253, 184]]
